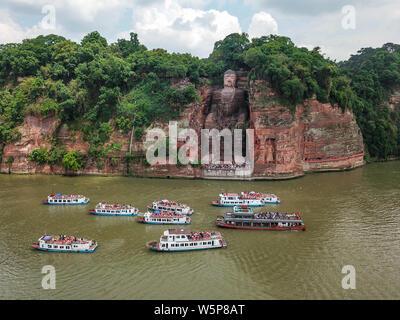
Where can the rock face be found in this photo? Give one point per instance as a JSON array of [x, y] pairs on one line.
[[35, 133], [316, 137]]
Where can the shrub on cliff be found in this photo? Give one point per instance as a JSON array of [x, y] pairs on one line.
[[124, 124], [73, 160], [39, 156]]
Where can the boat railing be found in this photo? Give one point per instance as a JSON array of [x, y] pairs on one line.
[[265, 220]]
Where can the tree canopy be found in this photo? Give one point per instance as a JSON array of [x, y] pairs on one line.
[[93, 85]]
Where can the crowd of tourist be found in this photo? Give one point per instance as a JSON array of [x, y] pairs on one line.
[[276, 215], [193, 236], [224, 166]]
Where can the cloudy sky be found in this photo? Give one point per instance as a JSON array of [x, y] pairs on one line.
[[339, 27]]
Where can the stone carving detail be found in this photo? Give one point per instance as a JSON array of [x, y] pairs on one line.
[[228, 107]]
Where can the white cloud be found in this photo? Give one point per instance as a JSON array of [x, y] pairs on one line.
[[175, 28], [326, 30], [10, 31], [262, 24], [185, 26]]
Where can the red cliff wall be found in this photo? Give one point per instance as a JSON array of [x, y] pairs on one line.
[[317, 137]]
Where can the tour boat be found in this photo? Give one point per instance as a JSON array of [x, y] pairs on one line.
[[166, 205], [184, 240], [243, 217], [71, 199], [116, 209], [158, 217], [63, 243], [234, 199], [266, 198]]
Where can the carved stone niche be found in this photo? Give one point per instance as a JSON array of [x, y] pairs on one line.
[[270, 150]]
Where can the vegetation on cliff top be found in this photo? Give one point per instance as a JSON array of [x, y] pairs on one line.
[[362, 84], [94, 86]]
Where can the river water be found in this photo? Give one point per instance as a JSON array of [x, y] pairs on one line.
[[352, 218]]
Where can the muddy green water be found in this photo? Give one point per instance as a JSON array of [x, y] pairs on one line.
[[353, 218]]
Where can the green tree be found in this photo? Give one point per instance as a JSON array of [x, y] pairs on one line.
[[39, 156], [73, 160]]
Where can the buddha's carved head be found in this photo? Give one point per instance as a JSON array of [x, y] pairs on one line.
[[230, 79]]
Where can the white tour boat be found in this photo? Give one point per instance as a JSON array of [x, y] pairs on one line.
[[71, 199], [184, 240], [234, 199], [63, 243], [266, 198], [158, 217], [116, 209], [176, 207]]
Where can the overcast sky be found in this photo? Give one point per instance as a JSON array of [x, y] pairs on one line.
[[339, 27]]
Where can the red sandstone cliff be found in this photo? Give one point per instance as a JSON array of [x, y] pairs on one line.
[[318, 137]]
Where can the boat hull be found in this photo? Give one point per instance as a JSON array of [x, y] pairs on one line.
[[156, 248], [190, 213], [113, 214], [37, 247], [276, 228], [64, 204], [168, 223], [217, 204]]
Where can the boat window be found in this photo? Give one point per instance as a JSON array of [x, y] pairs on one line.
[[182, 244], [55, 246], [67, 247], [186, 244], [61, 247], [49, 246]]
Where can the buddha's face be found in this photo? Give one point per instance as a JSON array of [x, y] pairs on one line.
[[229, 80]]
